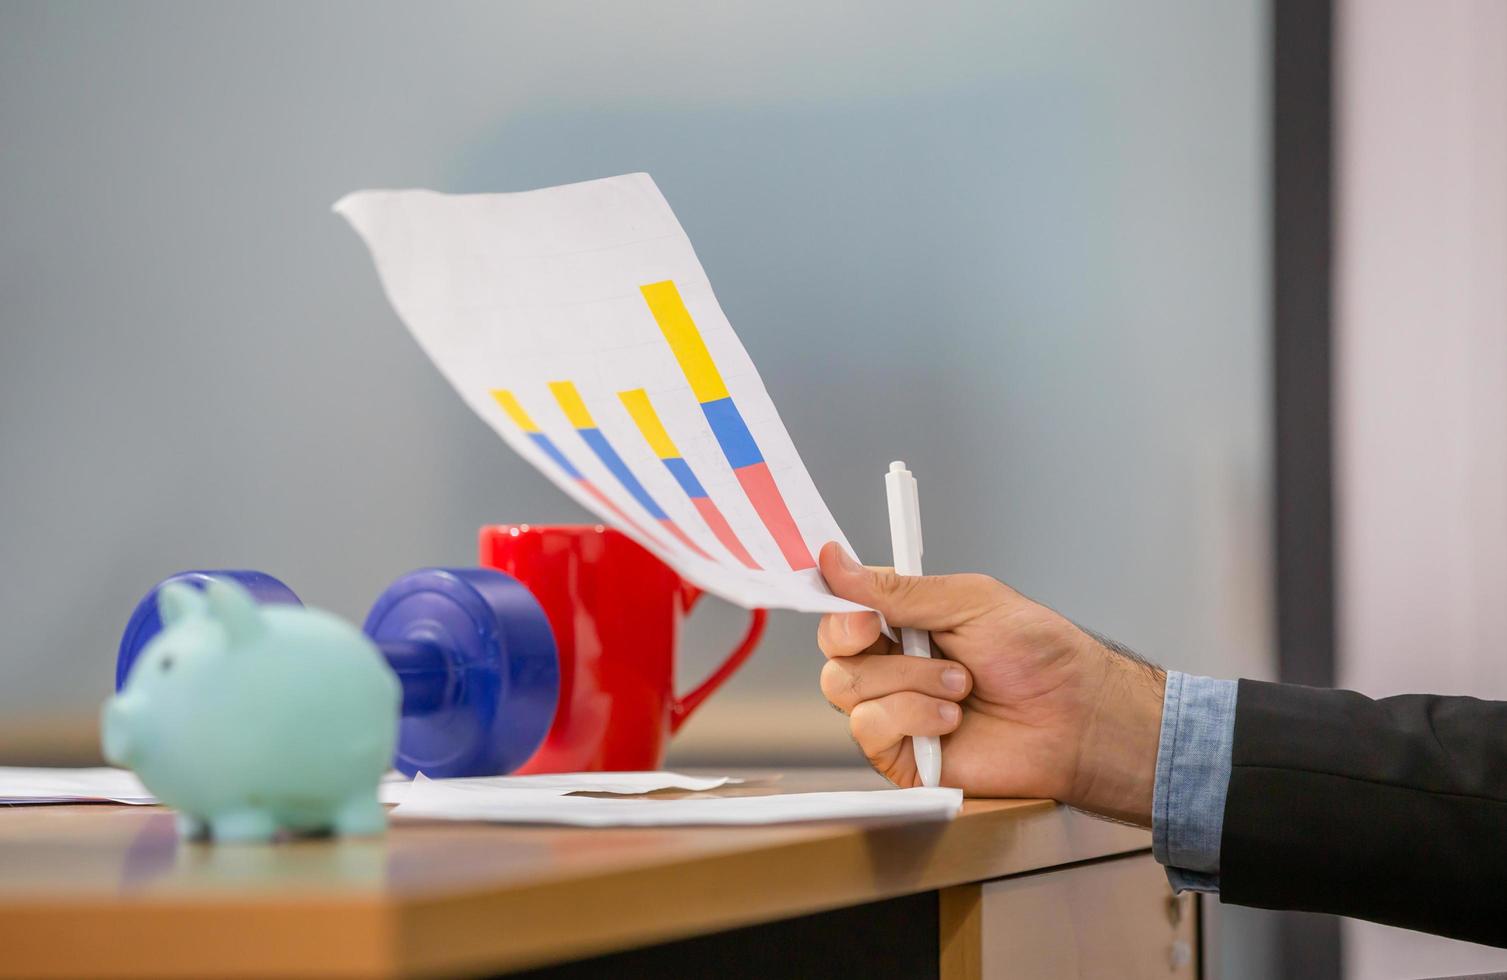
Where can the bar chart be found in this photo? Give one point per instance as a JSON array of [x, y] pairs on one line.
[[580, 418], [578, 323], [732, 434], [521, 418], [641, 409]]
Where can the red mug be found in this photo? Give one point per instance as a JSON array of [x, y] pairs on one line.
[[615, 610]]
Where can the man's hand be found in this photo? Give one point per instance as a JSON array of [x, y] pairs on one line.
[[1027, 703]]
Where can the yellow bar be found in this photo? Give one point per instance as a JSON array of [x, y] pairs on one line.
[[516, 412], [638, 405], [570, 402], [685, 340]]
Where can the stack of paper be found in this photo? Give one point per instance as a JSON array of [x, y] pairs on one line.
[[437, 799], [107, 785], [542, 799], [559, 784], [101, 784], [104, 784]]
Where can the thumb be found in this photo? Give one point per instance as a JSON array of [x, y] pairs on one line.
[[929, 602]]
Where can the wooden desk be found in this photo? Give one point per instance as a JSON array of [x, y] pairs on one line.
[[105, 891]]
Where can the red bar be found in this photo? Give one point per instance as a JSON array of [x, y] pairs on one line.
[[723, 531], [758, 484]]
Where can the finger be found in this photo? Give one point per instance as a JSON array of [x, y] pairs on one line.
[[844, 634], [848, 681], [879, 725], [929, 602]]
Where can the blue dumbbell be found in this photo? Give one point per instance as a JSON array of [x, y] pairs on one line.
[[471, 646]]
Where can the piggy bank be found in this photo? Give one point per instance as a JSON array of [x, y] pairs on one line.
[[254, 720]]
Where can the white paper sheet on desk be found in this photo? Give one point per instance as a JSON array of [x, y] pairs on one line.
[[579, 324], [104, 784], [559, 784], [434, 800]]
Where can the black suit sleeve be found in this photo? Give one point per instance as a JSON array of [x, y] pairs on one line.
[[1392, 810]]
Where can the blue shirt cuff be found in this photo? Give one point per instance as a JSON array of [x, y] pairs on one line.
[[1192, 778]]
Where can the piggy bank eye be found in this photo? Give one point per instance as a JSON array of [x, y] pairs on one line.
[[167, 663]]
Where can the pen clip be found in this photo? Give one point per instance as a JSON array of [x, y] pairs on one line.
[[915, 514]]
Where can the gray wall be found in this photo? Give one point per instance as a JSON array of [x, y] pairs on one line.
[[1021, 246]]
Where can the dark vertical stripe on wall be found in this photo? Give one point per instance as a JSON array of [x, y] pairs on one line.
[[1301, 236], [1302, 245]]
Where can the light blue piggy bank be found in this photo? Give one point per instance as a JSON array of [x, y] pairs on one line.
[[251, 720]]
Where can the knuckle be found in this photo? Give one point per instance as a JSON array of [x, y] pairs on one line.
[[888, 584], [855, 686], [864, 723], [902, 587], [858, 727], [862, 629], [824, 641], [833, 683], [986, 587]]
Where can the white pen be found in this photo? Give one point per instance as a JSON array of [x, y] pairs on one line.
[[905, 541]]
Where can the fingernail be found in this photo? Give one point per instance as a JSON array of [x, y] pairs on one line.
[[843, 625], [954, 679], [846, 561], [949, 712]]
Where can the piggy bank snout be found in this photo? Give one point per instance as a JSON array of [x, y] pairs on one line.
[[116, 731]]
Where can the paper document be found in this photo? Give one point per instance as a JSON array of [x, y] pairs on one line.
[[559, 784], [431, 799], [579, 324], [20, 784]]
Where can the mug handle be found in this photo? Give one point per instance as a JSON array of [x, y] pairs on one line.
[[681, 707]]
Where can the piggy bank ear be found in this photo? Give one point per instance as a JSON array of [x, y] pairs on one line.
[[177, 601], [234, 608]]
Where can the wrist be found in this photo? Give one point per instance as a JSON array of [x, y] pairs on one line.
[[1116, 770]]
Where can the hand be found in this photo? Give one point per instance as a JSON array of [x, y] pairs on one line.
[[1027, 703]]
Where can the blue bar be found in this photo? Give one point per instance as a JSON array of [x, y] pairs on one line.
[[614, 462], [688, 482], [552, 451], [732, 434]]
